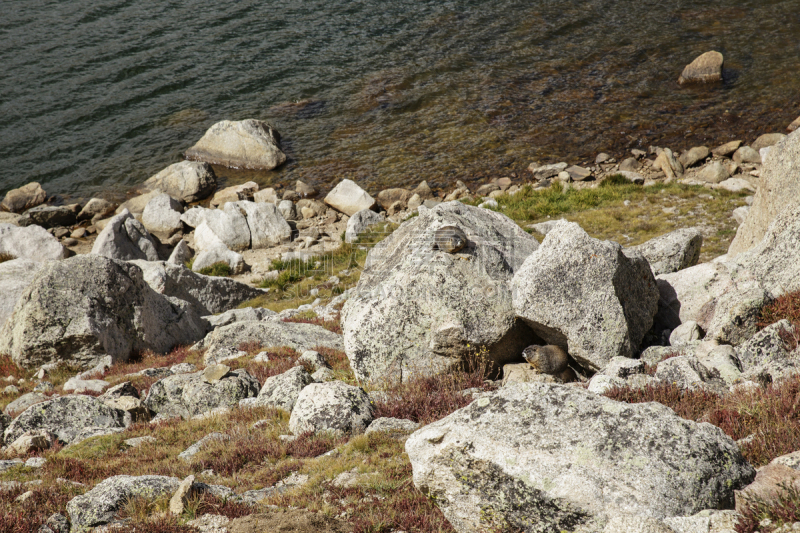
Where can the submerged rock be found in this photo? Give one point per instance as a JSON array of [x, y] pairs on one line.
[[252, 144], [704, 69]]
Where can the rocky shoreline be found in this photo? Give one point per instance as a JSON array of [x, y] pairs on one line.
[[85, 289]]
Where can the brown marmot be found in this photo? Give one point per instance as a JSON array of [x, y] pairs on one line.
[[549, 359], [449, 239]]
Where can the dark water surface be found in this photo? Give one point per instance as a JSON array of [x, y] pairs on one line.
[[97, 96]]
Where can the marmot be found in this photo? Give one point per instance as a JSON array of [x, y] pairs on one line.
[[449, 239], [549, 359]]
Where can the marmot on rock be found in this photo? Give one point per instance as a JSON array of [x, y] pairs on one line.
[[449, 239], [549, 359]]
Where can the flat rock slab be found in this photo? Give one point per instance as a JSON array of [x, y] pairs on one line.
[[704, 69], [544, 457], [269, 333], [252, 144], [101, 504]]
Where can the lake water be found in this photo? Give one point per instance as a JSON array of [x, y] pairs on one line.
[[97, 96]]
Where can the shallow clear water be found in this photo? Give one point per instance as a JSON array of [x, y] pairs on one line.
[[97, 96]]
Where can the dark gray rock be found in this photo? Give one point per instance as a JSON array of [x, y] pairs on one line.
[[188, 395], [546, 457], [101, 504], [86, 307], [67, 417], [52, 216], [207, 294]]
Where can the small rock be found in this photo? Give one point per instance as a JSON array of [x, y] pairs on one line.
[[714, 172], [740, 213], [747, 154], [333, 406], [737, 185], [578, 173], [685, 334], [162, 216], [694, 155], [767, 140], [704, 69], [794, 125], [187, 181], [195, 448], [397, 428], [629, 164], [35, 462], [96, 208], [83, 385], [185, 491], [214, 373], [314, 359], [348, 198], [234, 193], [726, 149], [602, 157], [138, 441], [183, 368]]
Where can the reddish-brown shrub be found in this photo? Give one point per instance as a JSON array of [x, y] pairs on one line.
[[9, 367], [784, 509], [78, 470], [771, 414], [28, 516], [148, 359], [786, 306], [331, 325], [280, 360], [427, 399], [210, 504], [156, 524]]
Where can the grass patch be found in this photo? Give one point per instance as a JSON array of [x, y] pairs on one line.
[[652, 211], [311, 318], [220, 269], [771, 414]]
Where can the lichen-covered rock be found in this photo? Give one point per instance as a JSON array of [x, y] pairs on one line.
[[66, 416], [419, 310], [252, 144], [187, 181], [396, 428], [586, 295], [125, 238], [101, 504], [766, 353], [360, 222], [686, 372], [15, 276], [334, 407], [188, 395], [268, 333], [86, 307], [543, 457], [672, 251], [780, 190], [206, 294], [281, 391], [24, 401], [32, 242]]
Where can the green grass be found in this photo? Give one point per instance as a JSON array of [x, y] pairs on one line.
[[652, 211], [220, 269]]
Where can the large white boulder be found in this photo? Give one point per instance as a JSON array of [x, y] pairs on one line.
[[334, 407], [672, 251], [213, 226], [187, 181], [419, 310], [267, 225], [81, 309], [586, 295], [779, 190], [31, 242], [251, 143], [546, 457], [349, 198]]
